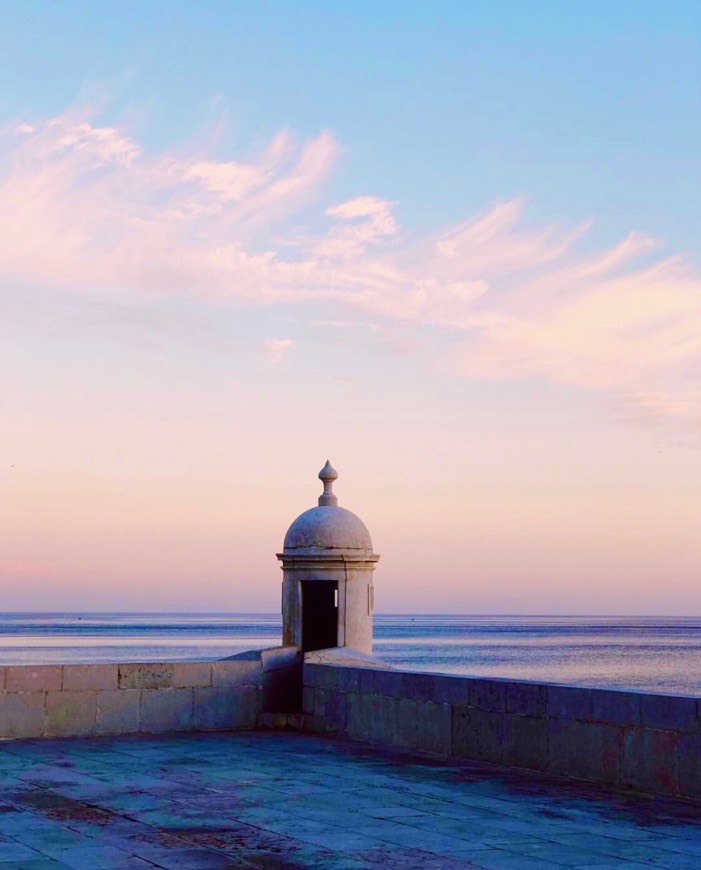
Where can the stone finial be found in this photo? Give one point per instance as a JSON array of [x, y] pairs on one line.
[[327, 475]]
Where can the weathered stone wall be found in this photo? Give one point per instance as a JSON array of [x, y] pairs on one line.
[[92, 699], [650, 743]]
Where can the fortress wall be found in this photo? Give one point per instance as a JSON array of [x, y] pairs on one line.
[[646, 742], [95, 699]]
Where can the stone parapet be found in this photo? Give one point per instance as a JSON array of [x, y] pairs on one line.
[[641, 741], [646, 742], [83, 700], [86, 700]]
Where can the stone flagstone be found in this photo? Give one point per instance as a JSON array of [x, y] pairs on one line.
[[288, 800]]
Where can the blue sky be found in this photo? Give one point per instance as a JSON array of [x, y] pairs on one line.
[[453, 247], [446, 106]]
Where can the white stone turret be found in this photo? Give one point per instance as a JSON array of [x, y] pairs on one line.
[[328, 563]]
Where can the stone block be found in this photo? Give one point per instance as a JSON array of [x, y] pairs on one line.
[[384, 718], [584, 750], [320, 676], [668, 713], [368, 709], [78, 678], [359, 716], [336, 712], [649, 761], [281, 657], [166, 710], [329, 676], [70, 714], [188, 675], [488, 694], [308, 695], [118, 711], [313, 675], [22, 714], [381, 682], [570, 702], [232, 674], [526, 741], [451, 690], [689, 765], [616, 708], [417, 687], [527, 699], [348, 679], [319, 703], [434, 727], [218, 708], [332, 676], [478, 734], [406, 732], [146, 676], [32, 678]]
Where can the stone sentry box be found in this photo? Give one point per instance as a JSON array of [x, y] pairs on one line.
[[327, 589], [632, 740]]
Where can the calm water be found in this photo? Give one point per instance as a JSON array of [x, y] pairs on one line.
[[656, 653]]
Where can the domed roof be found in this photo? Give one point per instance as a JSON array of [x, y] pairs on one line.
[[328, 527]]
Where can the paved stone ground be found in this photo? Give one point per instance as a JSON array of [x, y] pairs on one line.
[[273, 800]]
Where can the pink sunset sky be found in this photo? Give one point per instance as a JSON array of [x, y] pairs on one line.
[[192, 324]]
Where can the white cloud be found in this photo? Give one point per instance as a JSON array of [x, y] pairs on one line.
[[372, 221], [230, 180], [83, 208], [105, 143]]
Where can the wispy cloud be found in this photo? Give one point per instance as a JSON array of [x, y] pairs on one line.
[[365, 220], [276, 348], [604, 324], [85, 208]]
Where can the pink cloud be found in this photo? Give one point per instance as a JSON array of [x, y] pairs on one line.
[[365, 220], [84, 208], [636, 333], [102, 143], [276, 348], [230, 180]]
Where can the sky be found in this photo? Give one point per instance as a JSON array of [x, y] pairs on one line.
[[452, 247]]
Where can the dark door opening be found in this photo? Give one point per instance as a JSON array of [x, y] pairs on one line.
[[319, 615]]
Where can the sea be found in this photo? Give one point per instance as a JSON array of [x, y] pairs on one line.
[[658, 654]]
